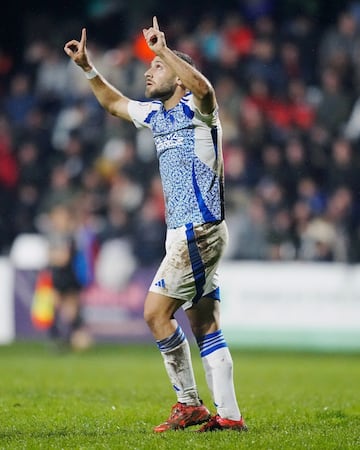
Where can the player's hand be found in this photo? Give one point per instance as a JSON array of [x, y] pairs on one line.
[[154, 37], [76, 50]]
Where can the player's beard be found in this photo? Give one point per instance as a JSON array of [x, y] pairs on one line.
[[162, 93]]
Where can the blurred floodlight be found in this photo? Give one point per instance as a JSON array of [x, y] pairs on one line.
[[115, 264], [29, 252]]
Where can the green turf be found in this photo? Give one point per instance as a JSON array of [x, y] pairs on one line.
[[110, 396]]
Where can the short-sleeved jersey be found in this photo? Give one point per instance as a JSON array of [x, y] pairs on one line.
[[188, 146]]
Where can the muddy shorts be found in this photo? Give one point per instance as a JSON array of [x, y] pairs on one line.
[[189, 268]]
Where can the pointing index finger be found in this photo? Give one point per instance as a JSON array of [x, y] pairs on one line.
[[155, 23], [83, 38]]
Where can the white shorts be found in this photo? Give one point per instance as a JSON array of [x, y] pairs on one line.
[[189, 268]]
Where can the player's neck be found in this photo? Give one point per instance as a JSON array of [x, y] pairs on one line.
[[172, 101]]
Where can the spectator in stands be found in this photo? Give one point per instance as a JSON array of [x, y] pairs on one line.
[[20, 99], [255, 130], [335, 99], [248, 228], [309, 192], [280, 237], [25, 208], [58, 191], [272, 163], [149, 234], [209, 41], [339, 41], [343, 167], [264, 64], [125, 70], [300, 110], [237, 34], [51, 81], [290, 61], [37, 129], [296, 166], [241, 171], [68, 328], [288, 137], [303, 30], [273, 197], [29, 161], [230, 100]]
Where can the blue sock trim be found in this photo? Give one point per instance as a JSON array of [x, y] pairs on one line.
[[211, 342], [172, 341]]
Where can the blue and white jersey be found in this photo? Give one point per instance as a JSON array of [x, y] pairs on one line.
[[188, 146]]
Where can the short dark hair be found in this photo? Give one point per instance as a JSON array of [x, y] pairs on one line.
[[185, 57]]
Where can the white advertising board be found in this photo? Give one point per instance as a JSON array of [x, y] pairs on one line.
[[7, 320], [302, 305]]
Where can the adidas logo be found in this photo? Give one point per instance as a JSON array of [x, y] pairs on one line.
[[160, 283]]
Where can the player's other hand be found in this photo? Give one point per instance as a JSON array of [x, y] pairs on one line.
[[76, 50], [154, 37]]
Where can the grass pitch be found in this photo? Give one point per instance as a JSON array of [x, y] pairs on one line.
[[110, 397]]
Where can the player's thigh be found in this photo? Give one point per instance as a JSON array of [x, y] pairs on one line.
[[160, 307]]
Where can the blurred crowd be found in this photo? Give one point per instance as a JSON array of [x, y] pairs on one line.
[[289, 98]]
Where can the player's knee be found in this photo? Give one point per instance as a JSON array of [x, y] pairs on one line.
[[154, 318], [202, 328], [149, 317]]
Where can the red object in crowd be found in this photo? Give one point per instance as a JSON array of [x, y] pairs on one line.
[[142, 50], [9, 172], [241, 38], [284, 114]]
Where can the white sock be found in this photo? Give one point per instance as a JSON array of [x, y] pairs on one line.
[[177, 359], [218, 367]]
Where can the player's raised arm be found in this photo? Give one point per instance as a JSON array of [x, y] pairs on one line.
[[108, 96], [192, 78]]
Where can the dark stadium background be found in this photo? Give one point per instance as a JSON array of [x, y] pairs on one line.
[[109, 19]]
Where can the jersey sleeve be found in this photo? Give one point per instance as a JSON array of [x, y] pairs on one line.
[[139, 112], [209, 119]]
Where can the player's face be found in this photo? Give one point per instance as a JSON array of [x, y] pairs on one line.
[[160, 80]]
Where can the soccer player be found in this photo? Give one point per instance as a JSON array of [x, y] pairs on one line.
[[183, 117]]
